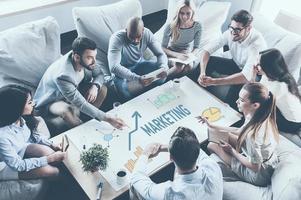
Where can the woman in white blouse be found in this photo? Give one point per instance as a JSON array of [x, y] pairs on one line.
[[282, 84], [24, 154], [250, 151]]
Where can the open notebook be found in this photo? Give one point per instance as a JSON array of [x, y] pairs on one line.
[[216, 136]]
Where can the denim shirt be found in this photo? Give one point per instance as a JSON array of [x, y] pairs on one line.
[[205, 183], [14, 140]]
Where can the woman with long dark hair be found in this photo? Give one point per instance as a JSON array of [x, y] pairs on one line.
[[282, 84], [24, 154], [250, 151]]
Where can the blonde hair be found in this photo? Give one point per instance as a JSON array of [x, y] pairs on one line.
[[265, 113], [175, 24]]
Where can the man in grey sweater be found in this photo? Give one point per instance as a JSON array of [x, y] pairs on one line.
[[58, 93], [125, 56]]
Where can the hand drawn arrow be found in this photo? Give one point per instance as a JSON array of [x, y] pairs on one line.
[[135, 115]]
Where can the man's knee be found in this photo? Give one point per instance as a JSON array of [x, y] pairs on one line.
[[62, 109], [102, 93]]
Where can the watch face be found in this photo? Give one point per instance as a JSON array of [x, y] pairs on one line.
[[108, 78]]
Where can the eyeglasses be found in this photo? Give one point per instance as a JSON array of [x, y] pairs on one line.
[[235, 30]]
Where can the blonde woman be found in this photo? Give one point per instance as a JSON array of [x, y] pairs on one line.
[[181, 37], [251, 149]]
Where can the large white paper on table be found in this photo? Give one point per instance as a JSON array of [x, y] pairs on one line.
[[152, 117]]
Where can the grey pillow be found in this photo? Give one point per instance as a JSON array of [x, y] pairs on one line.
[[27, 50]]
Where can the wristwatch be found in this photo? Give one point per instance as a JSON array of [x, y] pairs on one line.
[[97, 85]]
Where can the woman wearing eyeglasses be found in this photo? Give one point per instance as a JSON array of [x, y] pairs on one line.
[[182, 38], [250, 151], [24, 154], [282, 84]]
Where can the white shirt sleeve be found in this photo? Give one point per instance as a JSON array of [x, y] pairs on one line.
[[143, 184], [247, 70], [218, 43]]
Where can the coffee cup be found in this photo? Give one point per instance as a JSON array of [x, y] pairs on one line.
[[176, 83], [121, 176]]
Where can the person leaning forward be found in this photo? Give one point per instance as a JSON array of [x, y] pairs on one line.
[[58, 91]]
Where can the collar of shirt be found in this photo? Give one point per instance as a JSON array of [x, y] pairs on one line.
[[248, 39], [186, 177]]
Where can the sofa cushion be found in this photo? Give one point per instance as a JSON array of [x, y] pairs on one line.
[[99, 23], [287, 42], [286, 180], [211, 15], [27, 50], [25, 190]]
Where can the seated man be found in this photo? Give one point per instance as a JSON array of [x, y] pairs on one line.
[[244, 44], [58, 93], [197, 176], [125, 56]]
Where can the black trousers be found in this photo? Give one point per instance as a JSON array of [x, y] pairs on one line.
[[222, 66], [287, 126]]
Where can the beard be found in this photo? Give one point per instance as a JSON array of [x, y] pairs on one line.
[[88, 67]]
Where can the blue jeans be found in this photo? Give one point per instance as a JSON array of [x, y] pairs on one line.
[[140, 68]]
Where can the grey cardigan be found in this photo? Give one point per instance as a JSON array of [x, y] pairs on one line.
[[59, 83]]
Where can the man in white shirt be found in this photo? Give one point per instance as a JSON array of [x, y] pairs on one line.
[[197, 176], [244, 44]]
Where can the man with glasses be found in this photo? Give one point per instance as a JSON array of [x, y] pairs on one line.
[[197, 176], [244, 43], [125, 56]]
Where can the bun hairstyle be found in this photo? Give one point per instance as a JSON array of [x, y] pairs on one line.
[[266, 111]]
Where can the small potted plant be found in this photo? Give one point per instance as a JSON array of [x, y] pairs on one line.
[[95, 158]]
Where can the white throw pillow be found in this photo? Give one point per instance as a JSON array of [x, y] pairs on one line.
[[212, 15], [27, 50], [99, 23]]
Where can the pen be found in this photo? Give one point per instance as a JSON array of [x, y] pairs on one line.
[[99, 191]]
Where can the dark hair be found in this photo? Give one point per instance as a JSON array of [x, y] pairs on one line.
[[243, 17], [12, 102], [275, 68], [266, 111], [184, 148], [81, 44]]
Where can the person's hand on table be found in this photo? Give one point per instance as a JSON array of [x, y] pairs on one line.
[[152, 150]]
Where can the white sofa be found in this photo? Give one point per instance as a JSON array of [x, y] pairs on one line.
[[25, 53]]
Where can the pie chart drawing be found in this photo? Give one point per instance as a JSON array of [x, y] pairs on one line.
[[212, 114]]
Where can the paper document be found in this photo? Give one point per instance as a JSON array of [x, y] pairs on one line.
[[154, 74], [190, 59]]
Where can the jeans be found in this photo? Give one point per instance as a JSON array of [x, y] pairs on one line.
[[130, 89]]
